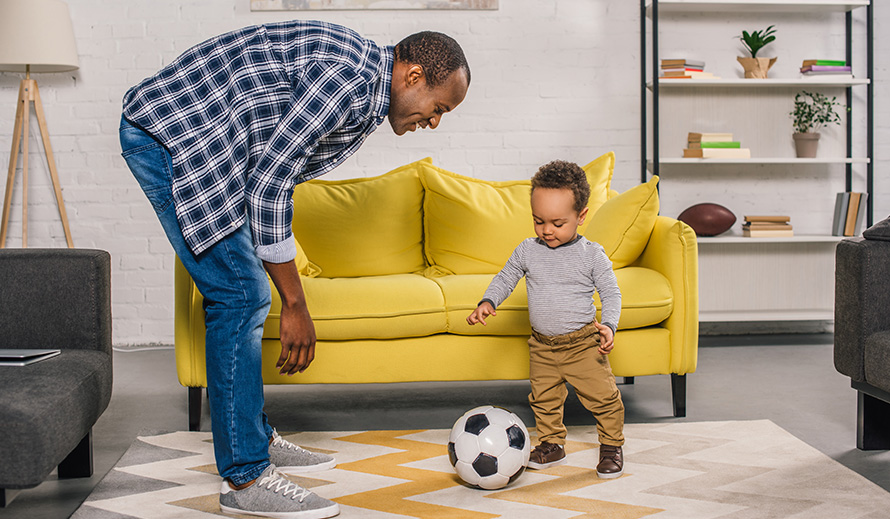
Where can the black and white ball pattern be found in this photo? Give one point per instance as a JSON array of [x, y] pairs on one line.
[[489, 447]]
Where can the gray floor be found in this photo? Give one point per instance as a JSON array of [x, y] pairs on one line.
[[789, 379]]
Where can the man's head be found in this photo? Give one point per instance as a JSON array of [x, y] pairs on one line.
[[430, 76], [560, 192]]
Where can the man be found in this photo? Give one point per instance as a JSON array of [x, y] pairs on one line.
[[217, 140]]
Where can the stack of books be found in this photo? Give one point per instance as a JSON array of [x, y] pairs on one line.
[[815, 68], [684, 69], [714, 146], [767, 227], [849, 213]]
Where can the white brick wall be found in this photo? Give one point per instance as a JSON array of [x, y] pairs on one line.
[[550, 80]]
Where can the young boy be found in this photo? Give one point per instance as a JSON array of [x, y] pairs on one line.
[[562, 271]]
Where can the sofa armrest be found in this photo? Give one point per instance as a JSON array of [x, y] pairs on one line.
[[55, 298], [673, 252], [861, 300]]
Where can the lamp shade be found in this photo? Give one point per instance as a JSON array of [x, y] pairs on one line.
[[36, 33]]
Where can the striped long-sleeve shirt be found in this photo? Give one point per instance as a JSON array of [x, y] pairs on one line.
[[249, 114], [560, 283]]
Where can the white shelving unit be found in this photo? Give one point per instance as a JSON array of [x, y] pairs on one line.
[[754, 279]]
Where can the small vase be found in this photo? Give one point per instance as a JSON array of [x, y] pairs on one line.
[[756, 68], [806, 144]]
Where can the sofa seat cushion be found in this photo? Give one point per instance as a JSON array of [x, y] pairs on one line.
[[47, 408], [372, 307], [646, 300]]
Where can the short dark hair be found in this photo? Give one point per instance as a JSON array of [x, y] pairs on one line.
[[438, 54], [560, 174]]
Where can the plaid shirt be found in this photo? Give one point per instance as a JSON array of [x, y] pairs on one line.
[[249, 114]]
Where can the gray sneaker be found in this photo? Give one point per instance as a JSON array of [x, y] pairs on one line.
[[273, 495], [292, 459]]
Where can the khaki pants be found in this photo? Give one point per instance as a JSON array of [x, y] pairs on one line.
[[573, 358]]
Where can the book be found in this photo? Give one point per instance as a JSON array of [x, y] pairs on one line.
[[682, 62], [717, 153], [709, 137], [748, 233], [824, 62], [852, 212], [768, 218], [860, 215], [23, 357], [826, 69], [693, 75], [832, 75], [680, 70], [767, 226], [840, 213], [715, 144]]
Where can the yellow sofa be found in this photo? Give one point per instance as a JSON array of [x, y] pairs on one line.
[[392, 265]]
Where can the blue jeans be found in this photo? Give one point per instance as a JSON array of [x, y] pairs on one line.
[[237, 297]]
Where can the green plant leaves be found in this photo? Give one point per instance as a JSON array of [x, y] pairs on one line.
[[813, 110], [758, 39]]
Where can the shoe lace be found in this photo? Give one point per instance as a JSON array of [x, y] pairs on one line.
[[278, 441], [276, 482]]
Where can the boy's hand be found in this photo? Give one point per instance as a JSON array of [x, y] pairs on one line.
[[481, 312], [606, 339]]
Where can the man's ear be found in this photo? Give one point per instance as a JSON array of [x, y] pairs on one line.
[[414, 75]]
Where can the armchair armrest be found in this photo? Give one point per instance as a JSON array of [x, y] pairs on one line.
[[673, 252], [861, 300], [55, 298]]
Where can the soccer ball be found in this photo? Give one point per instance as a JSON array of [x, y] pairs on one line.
[[489, 447]]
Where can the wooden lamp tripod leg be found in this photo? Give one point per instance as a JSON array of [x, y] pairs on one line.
[[13, 160], [28, 92], [54, 174]]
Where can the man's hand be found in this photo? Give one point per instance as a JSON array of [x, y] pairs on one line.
[[480, 313], [297, 329], [606, 339]]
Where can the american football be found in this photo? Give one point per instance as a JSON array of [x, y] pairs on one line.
[[708, 219]]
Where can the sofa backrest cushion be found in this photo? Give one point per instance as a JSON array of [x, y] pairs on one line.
[[362, 226], [471, 226], [624, 223]]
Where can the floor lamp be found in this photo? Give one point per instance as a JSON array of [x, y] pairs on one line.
[[35, 36]]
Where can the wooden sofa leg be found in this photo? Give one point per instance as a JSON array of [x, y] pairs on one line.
[[195, 399], [79, 462], [678, 392], [628, 381], [872, 423]]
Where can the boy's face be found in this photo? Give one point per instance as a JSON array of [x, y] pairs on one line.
[[556, 221]]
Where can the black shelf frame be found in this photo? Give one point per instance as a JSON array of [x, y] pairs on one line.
[[655, 68]]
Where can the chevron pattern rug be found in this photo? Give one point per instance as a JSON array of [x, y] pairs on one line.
[[736, 469]]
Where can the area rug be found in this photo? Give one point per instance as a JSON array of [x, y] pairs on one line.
[[691, 470]]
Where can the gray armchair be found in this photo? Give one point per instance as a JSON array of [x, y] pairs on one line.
[[53, 298], [862, 330]]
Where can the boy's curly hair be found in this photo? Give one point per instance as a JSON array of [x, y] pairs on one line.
[[561, 174]]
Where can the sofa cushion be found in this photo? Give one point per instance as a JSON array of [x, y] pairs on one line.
[[47, 408], [371, 307], [377, 220], [646, 300], [624, 223], [471, 226]]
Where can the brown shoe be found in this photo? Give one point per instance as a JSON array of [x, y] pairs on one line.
[[546, 455], [611, 463]]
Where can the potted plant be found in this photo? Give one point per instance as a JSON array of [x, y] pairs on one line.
[[811, 112], [755, 67]]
